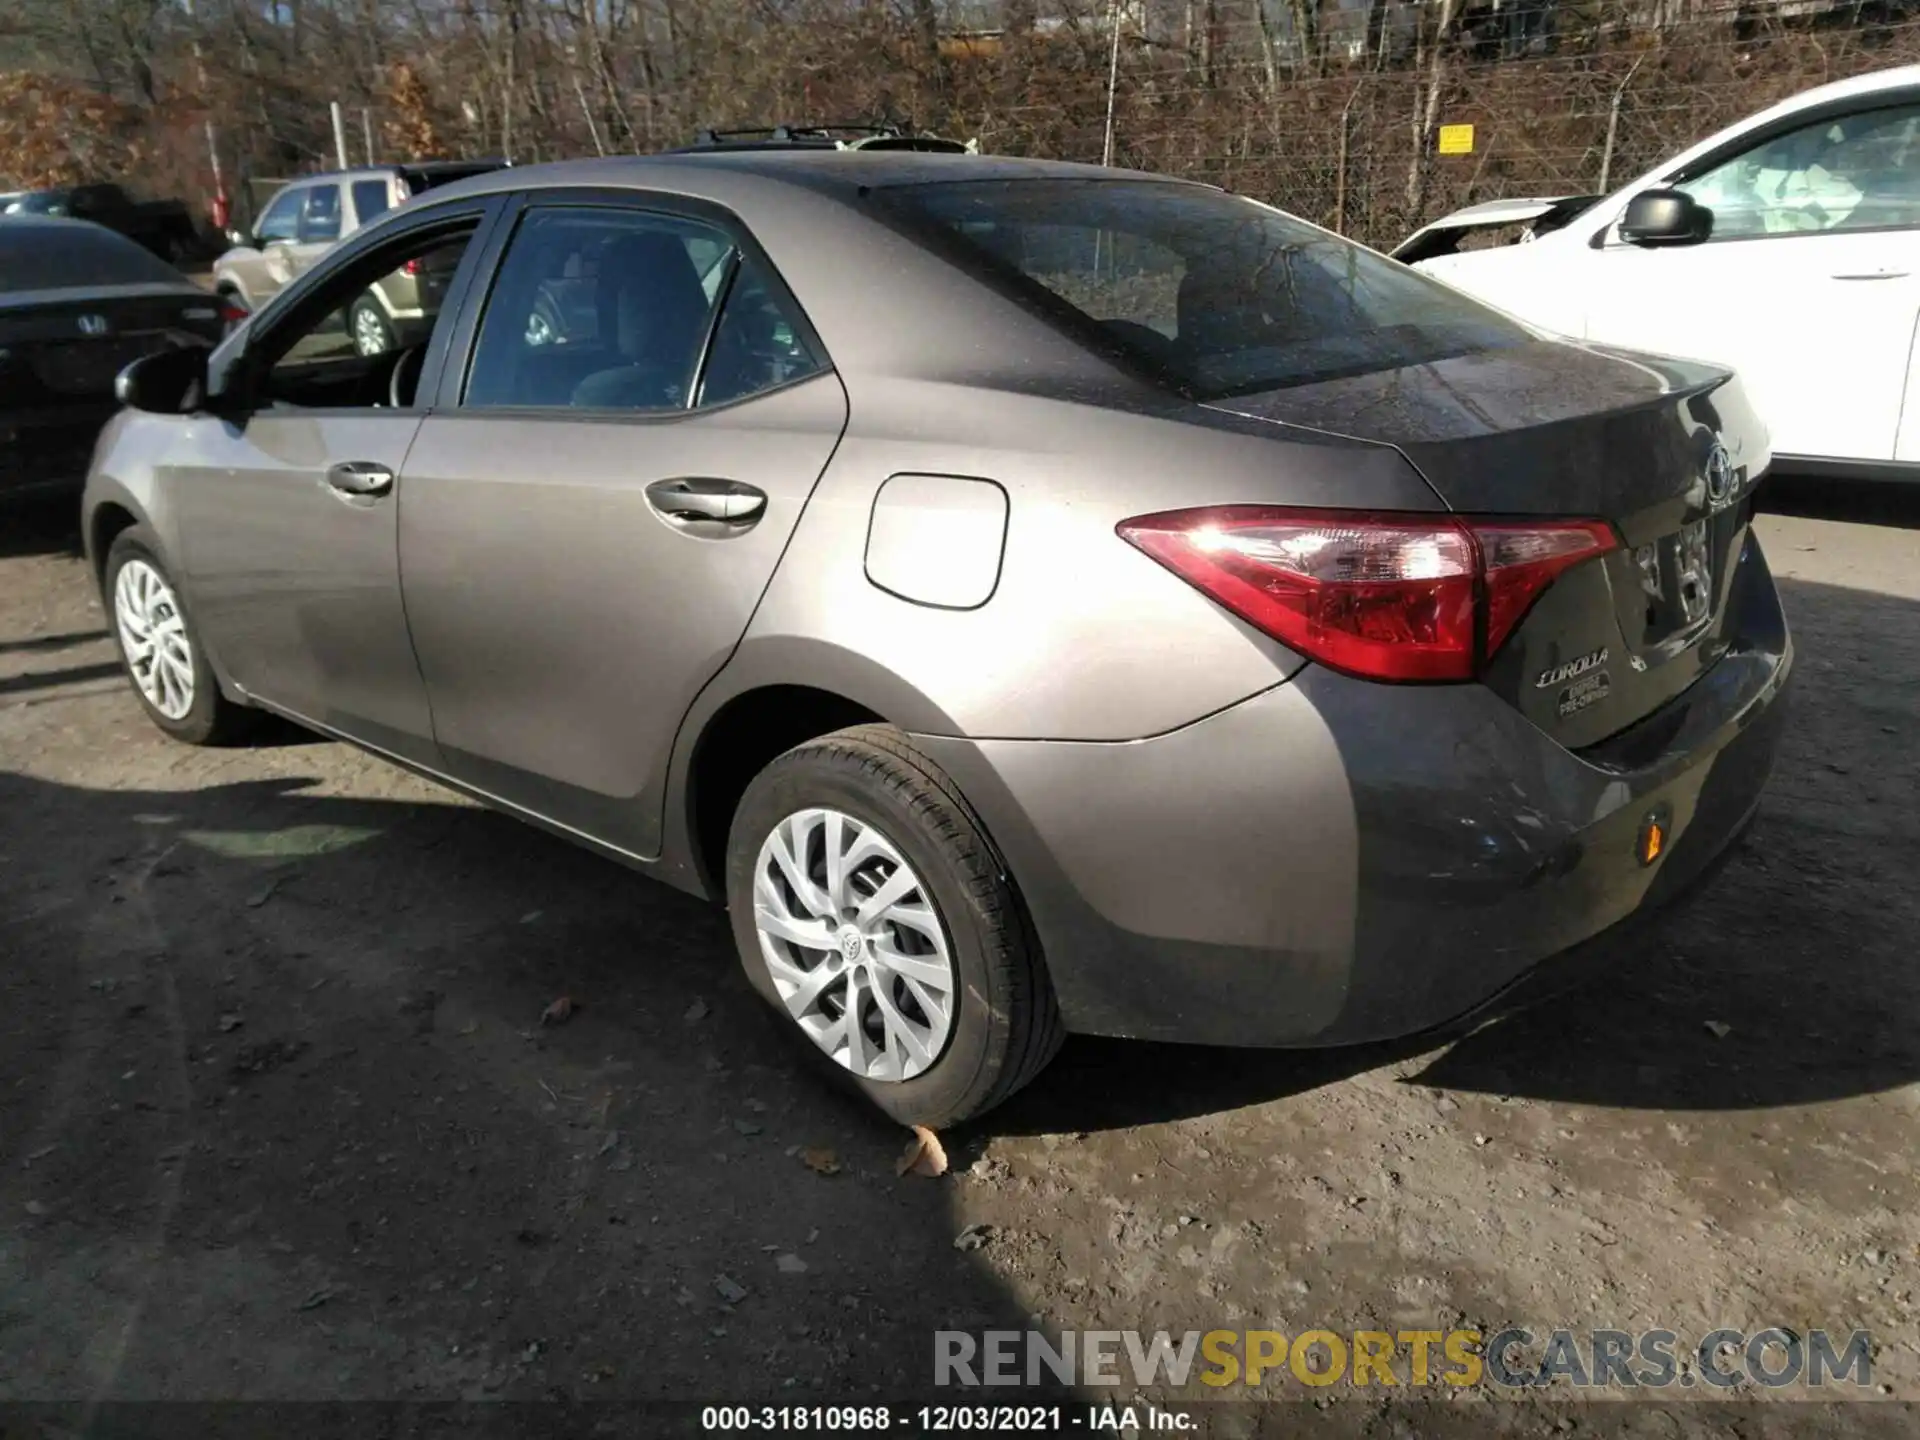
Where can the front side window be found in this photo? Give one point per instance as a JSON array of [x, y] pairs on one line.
[[1859, 172], [320, 221], [1217, 294], [359, 340], [282, 220], [597, 309]]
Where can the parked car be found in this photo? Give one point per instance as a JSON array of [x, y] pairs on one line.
[[164, 227], [1034, 597], [307, 217], [829, 137], [1517, 221], [77, 304], [1786, 246]]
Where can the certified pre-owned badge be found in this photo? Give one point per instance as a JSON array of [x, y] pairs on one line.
[[1589, 689], [1560, 674]]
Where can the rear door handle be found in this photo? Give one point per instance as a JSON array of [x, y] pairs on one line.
[[692, 499], [360, 477]]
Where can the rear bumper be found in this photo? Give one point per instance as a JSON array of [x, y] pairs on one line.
[[1333, 861], [48, 451]]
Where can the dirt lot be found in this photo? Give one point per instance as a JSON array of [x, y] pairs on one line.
[[278, 1118]]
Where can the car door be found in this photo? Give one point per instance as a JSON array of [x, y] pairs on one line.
[[285, 501], [1809, 284], [275, 235], [594, 509]]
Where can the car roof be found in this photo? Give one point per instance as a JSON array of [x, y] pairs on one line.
[[844, 171], [28, 220], [400, 167]]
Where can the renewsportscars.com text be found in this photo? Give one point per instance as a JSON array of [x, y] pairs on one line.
[[1515, 1357]]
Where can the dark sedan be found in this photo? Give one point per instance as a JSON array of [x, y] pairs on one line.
[[77, 304]]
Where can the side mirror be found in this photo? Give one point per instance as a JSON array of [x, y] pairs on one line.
[[167, 382], [1665, 217]]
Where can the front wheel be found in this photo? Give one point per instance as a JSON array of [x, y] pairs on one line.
[[163, 656], [872, 914]]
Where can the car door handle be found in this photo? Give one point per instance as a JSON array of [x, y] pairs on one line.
[[360, 477], [1874, 275], [693, 499]]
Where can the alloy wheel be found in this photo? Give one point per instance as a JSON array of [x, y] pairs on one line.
[[369, 331], [153, 636], [854, 944]]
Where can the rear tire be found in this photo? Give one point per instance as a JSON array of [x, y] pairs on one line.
[[164, 659], [372, 333], [895, 811]]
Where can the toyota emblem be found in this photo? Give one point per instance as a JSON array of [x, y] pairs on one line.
[[1720, 476]]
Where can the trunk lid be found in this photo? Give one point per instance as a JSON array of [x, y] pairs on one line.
[[1665, 451], [64, 347]]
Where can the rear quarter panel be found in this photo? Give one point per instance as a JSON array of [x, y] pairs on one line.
[[1084, 637]]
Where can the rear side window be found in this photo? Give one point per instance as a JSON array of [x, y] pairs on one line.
[[608, 309], [756, 345], [595, 309], [1218, 294], [321, 218], [370, 198]]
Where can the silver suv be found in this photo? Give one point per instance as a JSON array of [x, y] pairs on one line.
[[308, 217]]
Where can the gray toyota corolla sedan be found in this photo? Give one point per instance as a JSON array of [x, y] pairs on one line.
[[1034, 598]]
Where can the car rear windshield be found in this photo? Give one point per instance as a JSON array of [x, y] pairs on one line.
[[48, 255], [418, 182], [1219, 294]]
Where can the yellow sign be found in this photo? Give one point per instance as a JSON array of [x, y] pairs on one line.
[[1456, 139]]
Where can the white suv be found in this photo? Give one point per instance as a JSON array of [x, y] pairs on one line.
[[1787, 246]]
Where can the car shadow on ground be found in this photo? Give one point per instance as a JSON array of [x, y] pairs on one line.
[[40, 526], [273, 1064], [1862, 502]]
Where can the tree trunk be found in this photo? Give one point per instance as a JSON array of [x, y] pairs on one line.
[[1427, 111], [933, 65]]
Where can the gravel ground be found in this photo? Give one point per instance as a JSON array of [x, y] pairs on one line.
[[279, 1117]]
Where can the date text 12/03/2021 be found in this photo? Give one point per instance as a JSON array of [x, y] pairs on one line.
[[1125, 1419]]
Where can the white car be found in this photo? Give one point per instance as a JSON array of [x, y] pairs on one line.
[[1787, 246]]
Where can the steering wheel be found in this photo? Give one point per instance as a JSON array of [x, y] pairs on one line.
[[405, 378]]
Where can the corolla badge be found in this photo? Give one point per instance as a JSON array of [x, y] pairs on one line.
[[1721, 478], [1560, 674]]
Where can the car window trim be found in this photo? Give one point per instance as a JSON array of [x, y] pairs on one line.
[[230, 363], [745, 245], [722, 293]]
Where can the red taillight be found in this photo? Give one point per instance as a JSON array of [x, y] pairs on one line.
[[1382, 596], [230, 313], [1521, 558], [412, 267]]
